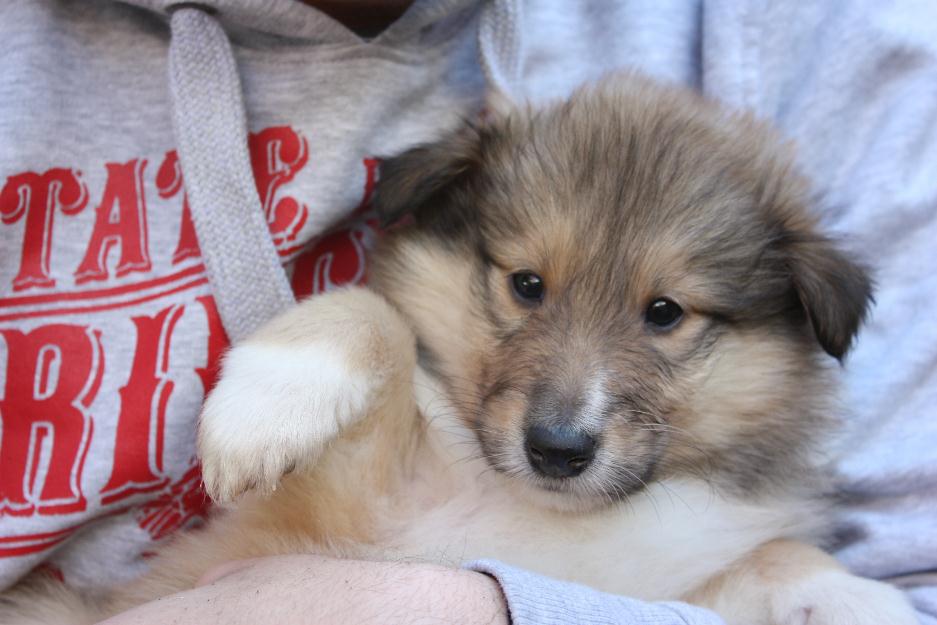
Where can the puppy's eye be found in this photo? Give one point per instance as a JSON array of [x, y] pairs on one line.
[[528, 286], [663, 313]]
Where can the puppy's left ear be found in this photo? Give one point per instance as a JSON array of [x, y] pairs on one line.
[[420, 180], [834, 290]]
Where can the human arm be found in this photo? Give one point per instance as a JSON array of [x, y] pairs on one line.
[[309, 590]]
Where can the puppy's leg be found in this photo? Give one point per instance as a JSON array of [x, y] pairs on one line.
[[790, 583], [298, 383]]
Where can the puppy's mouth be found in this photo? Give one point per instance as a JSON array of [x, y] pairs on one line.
[[574, 477]]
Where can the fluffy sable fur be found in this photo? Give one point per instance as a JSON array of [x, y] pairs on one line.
[[390, 423]]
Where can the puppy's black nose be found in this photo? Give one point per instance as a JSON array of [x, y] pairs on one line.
[[559, 451]]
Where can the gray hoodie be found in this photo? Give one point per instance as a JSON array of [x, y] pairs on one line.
[[171, 179]]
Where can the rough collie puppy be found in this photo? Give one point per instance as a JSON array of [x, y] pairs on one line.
[[602, 347]]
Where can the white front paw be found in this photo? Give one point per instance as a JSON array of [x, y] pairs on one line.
[[838, 598], [274, 408]]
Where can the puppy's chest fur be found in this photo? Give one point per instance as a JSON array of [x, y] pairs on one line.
[[659, 544]]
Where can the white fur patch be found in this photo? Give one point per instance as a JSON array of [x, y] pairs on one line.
[[596, 400], [275, 407]]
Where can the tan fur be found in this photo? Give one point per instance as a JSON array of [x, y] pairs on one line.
[[368, 422]]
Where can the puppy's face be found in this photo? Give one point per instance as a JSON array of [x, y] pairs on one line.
[[619, 289]]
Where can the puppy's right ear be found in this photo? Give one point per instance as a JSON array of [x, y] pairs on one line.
[[422, 179], [835, 291]]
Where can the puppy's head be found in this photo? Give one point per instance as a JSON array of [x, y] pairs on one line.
[[621, 288]]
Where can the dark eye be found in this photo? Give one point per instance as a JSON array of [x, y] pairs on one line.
[[663, 313], [528, 286]]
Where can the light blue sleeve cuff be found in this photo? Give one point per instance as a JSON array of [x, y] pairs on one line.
[[536, 600]]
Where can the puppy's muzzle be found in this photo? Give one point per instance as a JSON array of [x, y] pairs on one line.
[[559, 451]]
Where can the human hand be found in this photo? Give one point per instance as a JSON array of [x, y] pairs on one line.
[[312, 590]]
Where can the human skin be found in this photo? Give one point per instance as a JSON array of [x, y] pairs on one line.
[[367, 18], [313, 590]]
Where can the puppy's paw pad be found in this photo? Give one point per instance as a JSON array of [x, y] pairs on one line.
[[838, 598], [274, 408]]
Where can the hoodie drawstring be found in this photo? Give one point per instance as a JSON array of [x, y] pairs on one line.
[[247, 279], [501, 46]]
